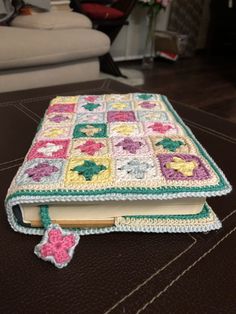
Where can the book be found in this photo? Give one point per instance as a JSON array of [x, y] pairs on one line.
[[113, 162], [102, 214]]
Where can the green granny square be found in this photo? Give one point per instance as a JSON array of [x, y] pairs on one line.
[[90, 130]]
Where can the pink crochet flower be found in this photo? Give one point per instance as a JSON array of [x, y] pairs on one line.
[[91, 98], [61, 108], [90, 147], [57, 246], [58, 118], [147, 105], [161, 128], [122, 116]]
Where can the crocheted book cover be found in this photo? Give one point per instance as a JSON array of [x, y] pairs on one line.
[[117, 147]]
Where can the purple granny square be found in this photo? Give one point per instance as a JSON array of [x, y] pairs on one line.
[[121, 116], [199, 173]]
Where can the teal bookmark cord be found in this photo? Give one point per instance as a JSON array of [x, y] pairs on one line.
[[44, 216]]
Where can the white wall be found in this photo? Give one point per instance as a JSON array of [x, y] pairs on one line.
[[129, 44]]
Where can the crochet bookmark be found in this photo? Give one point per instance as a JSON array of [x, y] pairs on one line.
[[57, 245]]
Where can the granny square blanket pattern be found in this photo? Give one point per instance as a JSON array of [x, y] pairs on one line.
[[117, 147]]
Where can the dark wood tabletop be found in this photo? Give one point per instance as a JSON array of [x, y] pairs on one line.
[[119, 272]]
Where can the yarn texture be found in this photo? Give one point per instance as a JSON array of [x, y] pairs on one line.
[[117, 147]]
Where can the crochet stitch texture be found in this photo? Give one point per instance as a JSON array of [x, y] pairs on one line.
[[114, 146]]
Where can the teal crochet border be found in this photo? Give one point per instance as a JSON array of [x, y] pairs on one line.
[[44, 216], [222, 185]]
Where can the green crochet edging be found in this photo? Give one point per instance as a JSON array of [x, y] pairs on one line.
[[44, 216], [114, 190], [168, 190], [204, 213]]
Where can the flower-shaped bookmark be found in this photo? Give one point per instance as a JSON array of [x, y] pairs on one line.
[[57, 245]]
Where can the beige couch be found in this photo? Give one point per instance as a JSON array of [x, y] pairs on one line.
[[48, 49]]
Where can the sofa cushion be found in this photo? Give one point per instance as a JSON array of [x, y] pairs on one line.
[[52, 20], [32, 47], [101, 12], [49, 75]]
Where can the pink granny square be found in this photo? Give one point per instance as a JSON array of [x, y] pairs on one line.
[[121, 116], [160, 128], [61, 108], [49, 149]]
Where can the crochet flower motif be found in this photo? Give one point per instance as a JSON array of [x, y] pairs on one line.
[[119, 106], [136, 168], [121, 116], [62, 107], [89, 117], [53, 133], [41, 170], [151, 116], [90, 147], [159, 127], [90, 130], [90, 98], [147, 105], [58, 118], [49, 149], [124, 129], [144, 96], [182, 166], [169, 144], [57, 246], [88, 169], [130, 145], [91, 106]]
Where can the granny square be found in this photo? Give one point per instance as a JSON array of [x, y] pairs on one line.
[[153, 116], [87, 171], [40, 172], [125, 129], [59, 100], [90, 147], [91, 107], [49, 149], [183, 167], [54, 132], [118, 97], [91, 99], [61, 108], [59, 119], [147, 105], [96, 117], [145, 97], [172, 144], [134, 146], [90, 130], [160, 128], [119, 105], [121, 116], [136, 169]]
